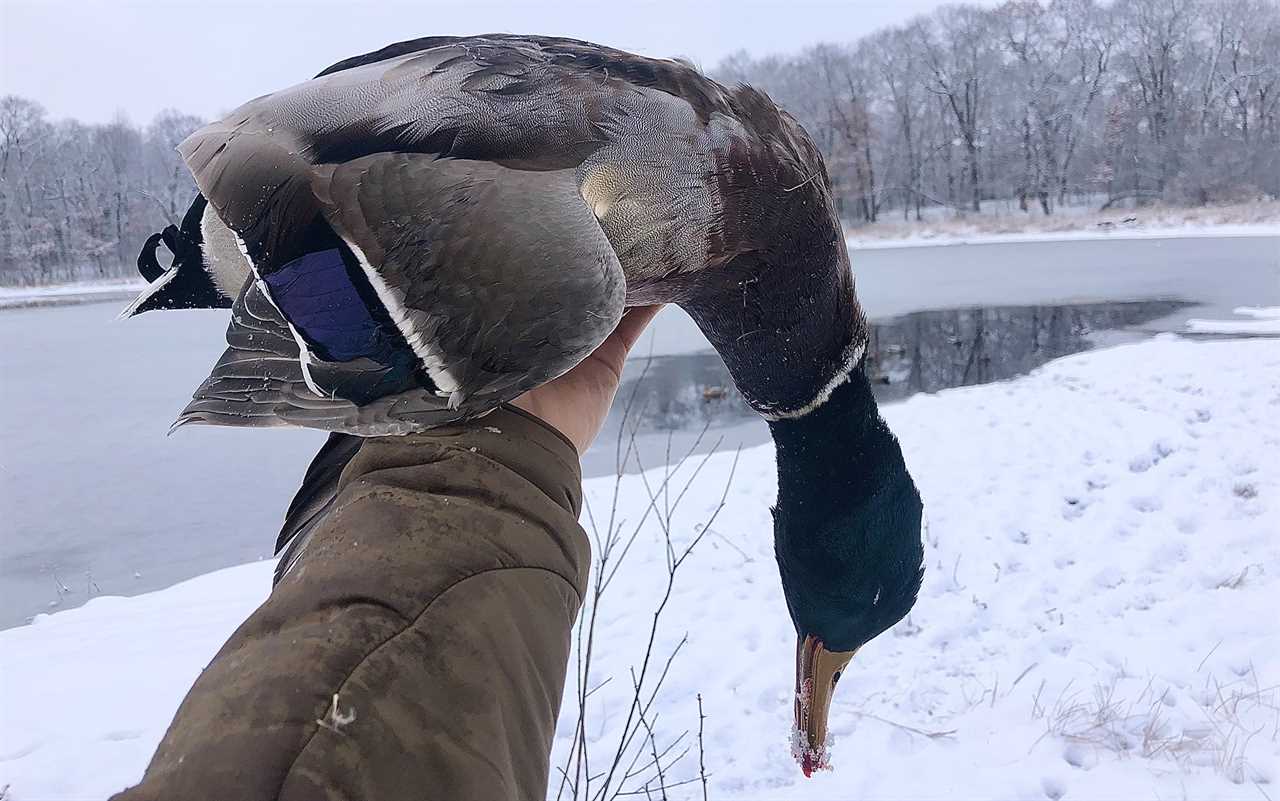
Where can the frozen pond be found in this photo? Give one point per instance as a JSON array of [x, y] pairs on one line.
[[96, 499]]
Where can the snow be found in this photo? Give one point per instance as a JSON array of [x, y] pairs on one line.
[[28, 295], [1097, 619], [1003, 222], [1262, 320], [928, 238]]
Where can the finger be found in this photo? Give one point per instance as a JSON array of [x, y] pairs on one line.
[[612, 353], [632, 325]]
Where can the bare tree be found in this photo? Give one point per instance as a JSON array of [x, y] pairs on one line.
[[77, 200], [1034, 103], [1043, 102], [167, 176], [1156, 35], [898, 68], [957, 48]]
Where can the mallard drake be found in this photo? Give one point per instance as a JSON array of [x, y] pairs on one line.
[[422, 233]]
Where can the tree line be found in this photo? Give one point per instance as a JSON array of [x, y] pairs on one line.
[[1042, 104], [76, 200]]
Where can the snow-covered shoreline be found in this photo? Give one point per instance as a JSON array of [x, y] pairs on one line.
[[1249, 321], [1097, 619], [932, 239], [21, 296]]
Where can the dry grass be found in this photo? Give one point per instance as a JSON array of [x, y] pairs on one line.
[[1232, 716]]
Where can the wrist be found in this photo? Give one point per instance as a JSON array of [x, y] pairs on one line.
[[550, 417]]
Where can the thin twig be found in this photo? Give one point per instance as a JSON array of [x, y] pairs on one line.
[[614, 538], [653, 744], [702, 761], [932, 735], [671, 786], [1206, 656]]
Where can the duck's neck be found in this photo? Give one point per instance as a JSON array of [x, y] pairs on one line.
[[828, 456], [785, 333], [847, 522]]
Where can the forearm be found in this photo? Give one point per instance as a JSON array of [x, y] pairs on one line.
[[435, 601]]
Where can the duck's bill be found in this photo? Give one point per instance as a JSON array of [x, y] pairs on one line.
[[817, 671]]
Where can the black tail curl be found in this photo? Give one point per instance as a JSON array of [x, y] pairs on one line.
[[186, 284], [148, 266]]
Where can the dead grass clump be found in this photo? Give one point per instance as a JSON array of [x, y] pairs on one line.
[[1151, 725]]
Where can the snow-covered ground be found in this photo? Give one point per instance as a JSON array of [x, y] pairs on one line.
[[1003, 222], [961, 235], [1256, 321], [1097, 620], [12, 296]]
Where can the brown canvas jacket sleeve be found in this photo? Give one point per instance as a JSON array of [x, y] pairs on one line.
[[418, 647]]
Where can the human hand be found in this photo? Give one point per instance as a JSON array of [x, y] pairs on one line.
[[577, 403]]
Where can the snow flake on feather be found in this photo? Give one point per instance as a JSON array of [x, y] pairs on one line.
[[335, 719]]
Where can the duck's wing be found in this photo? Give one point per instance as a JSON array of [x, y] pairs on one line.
[[435, 289]]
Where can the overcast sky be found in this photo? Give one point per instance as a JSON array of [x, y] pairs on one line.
[[91, 59]]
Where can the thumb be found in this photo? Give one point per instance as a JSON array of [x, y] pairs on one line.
[[613, 351], [632, 325]]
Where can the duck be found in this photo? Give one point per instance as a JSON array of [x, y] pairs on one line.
[[422, 233]]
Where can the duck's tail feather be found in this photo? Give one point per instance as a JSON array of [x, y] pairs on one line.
[[265, 378], [186, 283], [315, 496]]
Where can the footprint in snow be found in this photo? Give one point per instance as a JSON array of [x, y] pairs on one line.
[[770, 700], [1077, 756], [1074, 507], [1146, 503], [1108, 578], [1159, 451], [1242, 466], [1245, 490], [1141, 463], [1059, 645], [1053, 788]]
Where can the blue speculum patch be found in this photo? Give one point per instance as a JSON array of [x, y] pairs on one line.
[[316, 294]]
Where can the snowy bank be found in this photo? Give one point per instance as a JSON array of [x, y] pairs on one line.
[[1257, 321], [930, 238], [1002, 222], [1097, 620], [17, 296]]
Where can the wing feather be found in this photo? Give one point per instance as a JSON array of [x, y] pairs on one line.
[[500, 279]]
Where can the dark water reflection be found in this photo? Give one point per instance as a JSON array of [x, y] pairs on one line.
[[674, 398]]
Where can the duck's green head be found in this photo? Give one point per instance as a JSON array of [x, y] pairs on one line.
[[847, 535]]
